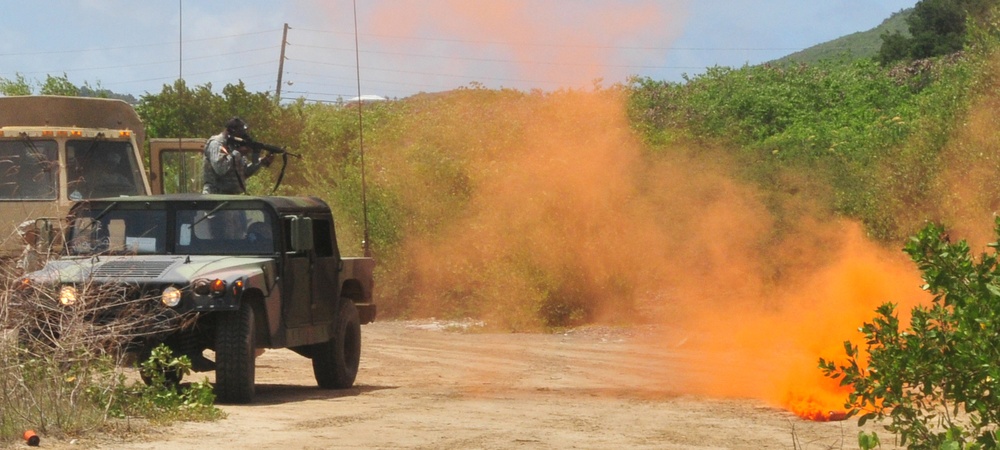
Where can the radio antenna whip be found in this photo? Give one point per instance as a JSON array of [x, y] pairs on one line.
[[361, 134]]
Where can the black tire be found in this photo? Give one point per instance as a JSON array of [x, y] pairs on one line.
[[234, 356], [336, 361]]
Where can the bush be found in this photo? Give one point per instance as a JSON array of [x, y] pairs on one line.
[[937, 381], [62, 373]]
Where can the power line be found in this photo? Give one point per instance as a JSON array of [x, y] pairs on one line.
[[419, 73], [128, 47], [574, 46]]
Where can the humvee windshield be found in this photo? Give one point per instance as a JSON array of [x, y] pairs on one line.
[[220, 231], [28, 170], [97, 168]]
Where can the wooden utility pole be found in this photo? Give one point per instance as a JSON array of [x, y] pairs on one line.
[[281, 64]]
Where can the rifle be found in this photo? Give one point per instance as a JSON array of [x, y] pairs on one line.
[[259, 146]]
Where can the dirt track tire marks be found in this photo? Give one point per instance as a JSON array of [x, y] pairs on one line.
[[433, 389]]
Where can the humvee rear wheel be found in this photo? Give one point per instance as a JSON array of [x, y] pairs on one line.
[[234, 356], [336, 361]]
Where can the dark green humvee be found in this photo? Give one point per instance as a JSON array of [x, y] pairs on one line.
[[232, 274]]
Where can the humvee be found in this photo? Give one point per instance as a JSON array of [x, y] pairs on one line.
[[233, 274]]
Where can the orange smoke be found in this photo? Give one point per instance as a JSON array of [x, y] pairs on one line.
[[548, 210], [532, 210], [551, 44], [811, 317]]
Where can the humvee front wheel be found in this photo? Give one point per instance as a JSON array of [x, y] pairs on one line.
[[336, 361], [234, 356]]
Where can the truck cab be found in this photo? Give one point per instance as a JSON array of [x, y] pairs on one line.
[[56, 151]]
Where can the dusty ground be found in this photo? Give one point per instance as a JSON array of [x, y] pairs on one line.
[[424, 386]]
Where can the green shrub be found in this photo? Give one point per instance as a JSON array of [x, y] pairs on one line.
[[936, 381]]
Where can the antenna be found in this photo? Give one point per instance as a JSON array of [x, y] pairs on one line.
[[180, 77], [180, 39], [361, 133]]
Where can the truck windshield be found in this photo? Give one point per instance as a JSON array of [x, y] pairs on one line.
[[101, 168], [111, 230], [28, 170], [224, 232]]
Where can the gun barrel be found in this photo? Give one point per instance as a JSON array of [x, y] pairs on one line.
[[258, 146], [272, 148]]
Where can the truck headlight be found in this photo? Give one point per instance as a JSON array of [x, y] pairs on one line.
[[171, 297], [67, 295]]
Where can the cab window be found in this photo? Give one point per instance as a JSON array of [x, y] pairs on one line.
[[28, 170]]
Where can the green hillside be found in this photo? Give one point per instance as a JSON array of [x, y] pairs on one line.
[[863, 44]]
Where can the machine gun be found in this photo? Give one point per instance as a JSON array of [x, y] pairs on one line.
[[260, 146], [257, 147]]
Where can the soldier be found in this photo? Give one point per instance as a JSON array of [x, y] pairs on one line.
[[227, 165]]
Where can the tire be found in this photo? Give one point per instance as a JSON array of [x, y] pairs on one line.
[[336, 361], [234, 356]]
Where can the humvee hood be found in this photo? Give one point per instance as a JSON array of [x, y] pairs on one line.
[[140, 269]]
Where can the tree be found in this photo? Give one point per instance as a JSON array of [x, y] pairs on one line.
[[18, 86], [938, 380], [59, 86], [937, 27], [895, 47], [179, 111]]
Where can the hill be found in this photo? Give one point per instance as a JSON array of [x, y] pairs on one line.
[[863, 44]]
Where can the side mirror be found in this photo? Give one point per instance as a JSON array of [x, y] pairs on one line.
[[302, 233]]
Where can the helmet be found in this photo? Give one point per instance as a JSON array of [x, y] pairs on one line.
[[237, 127]]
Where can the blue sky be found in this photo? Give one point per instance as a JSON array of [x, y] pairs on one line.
[[409, 46]]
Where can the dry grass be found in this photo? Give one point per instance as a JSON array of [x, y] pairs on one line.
[[62, 367]]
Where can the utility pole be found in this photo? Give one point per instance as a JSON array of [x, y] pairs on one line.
[[281, 64]]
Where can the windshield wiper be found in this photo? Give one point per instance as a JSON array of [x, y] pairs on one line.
[[97, 138], [35, 152], [98, 217], [209, 214]]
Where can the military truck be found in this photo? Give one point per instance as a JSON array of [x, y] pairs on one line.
[[55, 151], [231, 274]]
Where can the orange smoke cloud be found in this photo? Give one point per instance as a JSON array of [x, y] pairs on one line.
[[535, 209], [558, 42], [559, 214], [812, 319]]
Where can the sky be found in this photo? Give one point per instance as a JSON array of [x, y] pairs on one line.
[[400, 48]]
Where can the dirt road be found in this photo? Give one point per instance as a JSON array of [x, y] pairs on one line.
[[423, 386]]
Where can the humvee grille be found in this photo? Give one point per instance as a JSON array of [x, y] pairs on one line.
[[132, 269]]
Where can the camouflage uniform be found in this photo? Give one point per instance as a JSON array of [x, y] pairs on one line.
[[225, 170]]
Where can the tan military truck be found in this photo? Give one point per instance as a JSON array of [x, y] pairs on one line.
[[56, 151]]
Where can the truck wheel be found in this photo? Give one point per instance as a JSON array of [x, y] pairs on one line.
[[234, 356], [336, 361]]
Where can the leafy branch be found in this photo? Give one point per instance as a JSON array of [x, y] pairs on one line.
[[936, 381]]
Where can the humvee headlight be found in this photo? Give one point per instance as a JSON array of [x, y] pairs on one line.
[[171, 297], [67, 295], [216, 287]]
